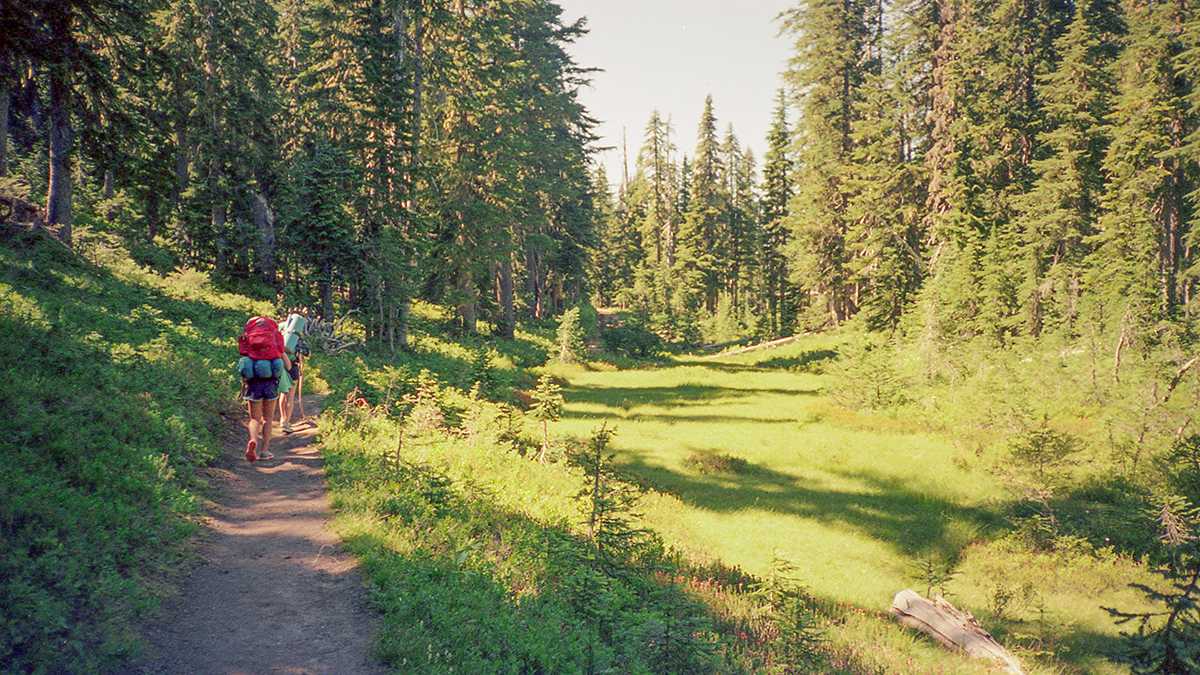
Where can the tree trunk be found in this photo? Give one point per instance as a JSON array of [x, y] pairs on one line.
[[5, 97], [466, 304], [325, 284], [953, 628], [533, 281], [107, 189], [153, 216], [400, 339], [264, 222], [508, 319], [182, 172], [218, 220], [58, 196]]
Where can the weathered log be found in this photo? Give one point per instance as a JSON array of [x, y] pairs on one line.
[[761, 345], [954, 628]]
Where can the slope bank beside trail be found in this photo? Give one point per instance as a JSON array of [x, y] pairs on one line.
[[111, 382], [273, 591]]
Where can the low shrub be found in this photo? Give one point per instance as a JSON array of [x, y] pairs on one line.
[[631, 341], [710, 463]]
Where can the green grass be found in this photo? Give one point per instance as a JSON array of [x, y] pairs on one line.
[[113, 376], [110, 384], [855, 500]]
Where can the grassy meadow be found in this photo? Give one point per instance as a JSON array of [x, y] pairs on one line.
[[750, 458], [479, 557], [742, 460]]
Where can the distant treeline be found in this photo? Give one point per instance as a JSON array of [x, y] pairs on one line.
[[961, 168]]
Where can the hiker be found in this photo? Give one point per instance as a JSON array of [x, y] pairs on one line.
[[289, 380], [294, 398], [262, 362]]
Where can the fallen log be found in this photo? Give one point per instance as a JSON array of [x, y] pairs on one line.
[[761, 345], [952, 627]]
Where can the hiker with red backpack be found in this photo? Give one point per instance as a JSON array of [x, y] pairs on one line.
[[261, 363]]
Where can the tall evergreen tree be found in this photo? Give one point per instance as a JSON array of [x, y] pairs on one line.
[[655, 163], [985, 117], [701, 231], [831, 46], [1188, 65], [886, 193], [777, 194], [1059, 212], [1135, 268]]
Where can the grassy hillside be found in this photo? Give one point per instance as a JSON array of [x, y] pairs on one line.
[[111, 382], [781, 517]]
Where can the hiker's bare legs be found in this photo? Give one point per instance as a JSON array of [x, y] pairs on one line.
[[268, 416], [285, 408], [300, 395], [255, 408]]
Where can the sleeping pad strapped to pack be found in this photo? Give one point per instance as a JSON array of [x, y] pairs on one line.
[[293, 328]]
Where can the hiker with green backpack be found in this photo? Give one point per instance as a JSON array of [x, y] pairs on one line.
[[290, 380], [260, 365]]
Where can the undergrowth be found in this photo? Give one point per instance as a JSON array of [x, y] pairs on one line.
[[111, 383]]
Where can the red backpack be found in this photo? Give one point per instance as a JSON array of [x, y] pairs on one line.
[[261, 339]]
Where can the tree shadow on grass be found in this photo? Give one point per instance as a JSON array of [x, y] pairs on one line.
[[803, 361], [674, 419], [885, 508], [486, 588], [681, 395], [516, 571]]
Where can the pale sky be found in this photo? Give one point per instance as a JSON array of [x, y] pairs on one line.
[[669, 54]]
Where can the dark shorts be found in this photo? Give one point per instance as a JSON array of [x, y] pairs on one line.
[[295, 371], [262, 389]]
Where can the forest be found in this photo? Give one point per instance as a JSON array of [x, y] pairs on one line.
[[958, 169], [977, 221]]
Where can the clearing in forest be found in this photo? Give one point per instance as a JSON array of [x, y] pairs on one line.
[[755, 460]]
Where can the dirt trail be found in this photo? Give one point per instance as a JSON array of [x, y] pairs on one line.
[[273, 592]]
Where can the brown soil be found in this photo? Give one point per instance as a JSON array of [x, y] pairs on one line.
[[273, 591]]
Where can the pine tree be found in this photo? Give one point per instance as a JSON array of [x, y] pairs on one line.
[[1059, 213], [1017, 45], [609, 503], [317, 213], [1171, 645], [655, 166], [609, 261], [697, 263], [737, 232], [777, 194], [985, 117], [886, 192], [1188, 66], [547, 408], [1134, 269], [226, 107], [831, 45]]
